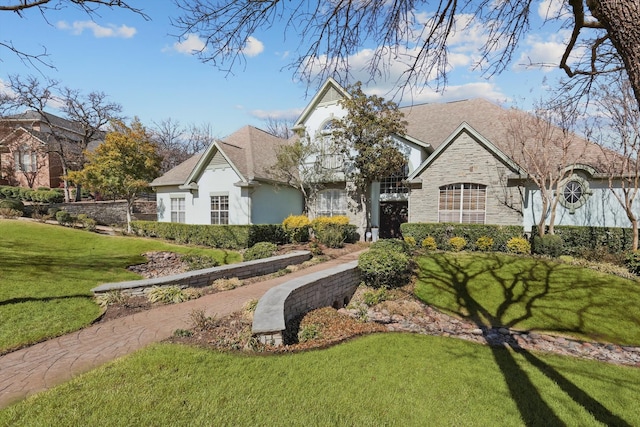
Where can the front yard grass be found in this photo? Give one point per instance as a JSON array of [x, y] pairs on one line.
[[383, 379], [47, 272], [526, 293]]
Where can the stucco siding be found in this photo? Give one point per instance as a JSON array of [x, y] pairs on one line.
[[601, 209], [271, 205], [466, 161]]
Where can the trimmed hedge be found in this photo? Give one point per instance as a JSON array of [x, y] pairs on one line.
[[578, 240], [41, 195], [217, 236], [443, 232]]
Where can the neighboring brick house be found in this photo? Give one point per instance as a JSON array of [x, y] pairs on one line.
[[29, 143], [461, 167]]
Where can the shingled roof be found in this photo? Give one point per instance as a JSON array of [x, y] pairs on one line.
[[251, 151], [434, 123]]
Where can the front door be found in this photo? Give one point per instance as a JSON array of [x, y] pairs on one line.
[[392, 214]]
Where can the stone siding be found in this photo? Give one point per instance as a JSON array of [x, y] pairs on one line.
[[204, 277], [281, 304], [467, 161]]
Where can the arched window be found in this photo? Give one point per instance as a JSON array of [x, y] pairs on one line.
[[330, 156], [463, 203]]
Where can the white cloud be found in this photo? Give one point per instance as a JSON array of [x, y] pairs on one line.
[[78, 27], [192, 44], [291, 114], [254, 47], [546, 54], [549, 9]]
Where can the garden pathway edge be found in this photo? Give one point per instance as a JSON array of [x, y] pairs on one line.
[[41, 366]]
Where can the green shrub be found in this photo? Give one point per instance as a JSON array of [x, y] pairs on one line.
[[308, 333], [274, 233], [457, 243], [216, 236], [297, 228], [549, 245], [518, 245], [579, 240], [384, 268], [260, 250], [331, 235], [632, 262], [89, 224], [334, 231], [167, 294], [429, 244], [393, 245], [442, 232], [374, 297], [13, 204], [198, 262], [64, 218], [484, 244]]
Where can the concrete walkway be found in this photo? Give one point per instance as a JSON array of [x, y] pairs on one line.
[[45, 365]]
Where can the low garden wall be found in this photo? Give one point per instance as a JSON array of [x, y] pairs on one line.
[[333, 287], [204, 277]]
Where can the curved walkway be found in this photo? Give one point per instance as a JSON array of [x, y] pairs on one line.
[[47, 364]]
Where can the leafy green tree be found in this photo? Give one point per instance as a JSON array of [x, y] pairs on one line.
[[122, 166], [365, 137]]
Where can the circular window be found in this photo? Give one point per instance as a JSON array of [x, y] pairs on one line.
[[575, 193]]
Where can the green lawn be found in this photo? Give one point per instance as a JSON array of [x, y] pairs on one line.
[[532, 294], [47, 272], [384, 379]]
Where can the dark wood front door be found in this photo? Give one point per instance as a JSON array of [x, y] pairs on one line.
[[392, 214]]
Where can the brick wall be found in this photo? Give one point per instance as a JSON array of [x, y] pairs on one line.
[[333, 287], [204, 277]]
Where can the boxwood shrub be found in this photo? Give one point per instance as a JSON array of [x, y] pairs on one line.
[[384, 268], [550, 245], [442, 232], [217, 236]]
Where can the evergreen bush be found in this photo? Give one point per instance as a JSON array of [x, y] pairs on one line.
[[384, 268], [550, 245], [260, 250]]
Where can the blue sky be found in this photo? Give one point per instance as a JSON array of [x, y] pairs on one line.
[[141, 65]]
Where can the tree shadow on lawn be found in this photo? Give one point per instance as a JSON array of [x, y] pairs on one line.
[[456, 278]]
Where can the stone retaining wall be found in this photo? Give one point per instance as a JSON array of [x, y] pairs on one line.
[[204, 277], [333, 287], [110, 212]]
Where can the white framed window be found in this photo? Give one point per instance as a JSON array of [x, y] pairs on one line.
[[330, 156], [25, 160], [393, 184], [463, 203], [178, 213], [219, 209], [331, 203]]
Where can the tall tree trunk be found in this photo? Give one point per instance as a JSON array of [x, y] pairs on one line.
[[621, 20]]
